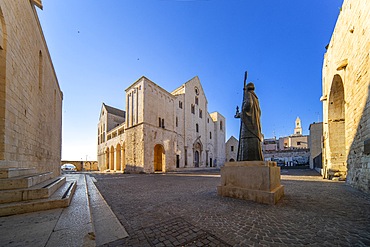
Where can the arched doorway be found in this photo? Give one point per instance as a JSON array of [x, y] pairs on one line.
[[196, 158], [197, 153], [111, 158], [118, 157], [106, 159], [123, 158], [336, 127], [159, 158]]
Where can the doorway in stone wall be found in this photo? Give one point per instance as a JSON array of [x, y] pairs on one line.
[[111, 158], [336, 126], [177, 161], [197, 152], [196, 158], [118, 165], [106, 159], [159, 158]]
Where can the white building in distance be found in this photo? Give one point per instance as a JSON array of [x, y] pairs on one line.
[[288, 150], [232, 149], [161, 131]]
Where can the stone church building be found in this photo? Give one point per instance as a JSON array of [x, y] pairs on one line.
[[30, 115], [161, 131], [346, 100], [30, 96]]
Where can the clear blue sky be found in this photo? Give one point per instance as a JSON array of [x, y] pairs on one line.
[[99, 48]]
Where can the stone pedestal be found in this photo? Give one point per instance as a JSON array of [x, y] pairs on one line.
[[251, 180]]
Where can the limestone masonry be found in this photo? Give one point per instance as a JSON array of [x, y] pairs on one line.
[[30, 116], [30, 97], [161, 131], [346, 103]]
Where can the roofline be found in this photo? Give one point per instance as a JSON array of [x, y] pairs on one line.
[[217, 113], [155, 84]]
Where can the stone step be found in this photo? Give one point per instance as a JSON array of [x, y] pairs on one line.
[[24, 181], [41, 190], [16, 172], [60, 199]]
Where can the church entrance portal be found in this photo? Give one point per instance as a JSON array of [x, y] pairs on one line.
[[196, 159], [197, 152]]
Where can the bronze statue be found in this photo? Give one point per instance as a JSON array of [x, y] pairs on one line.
[[250, 136]]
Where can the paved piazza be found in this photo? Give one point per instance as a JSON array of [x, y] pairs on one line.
[[183, 209]]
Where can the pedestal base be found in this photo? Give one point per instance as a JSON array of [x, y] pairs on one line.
[[251, 180]]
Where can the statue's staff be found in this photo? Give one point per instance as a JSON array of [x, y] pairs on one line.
[[237, 114], [245, 80]]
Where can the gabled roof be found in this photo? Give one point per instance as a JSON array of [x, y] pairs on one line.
[[151, 83], [195, 78], [114, 111], [232, 138], [182, 88]]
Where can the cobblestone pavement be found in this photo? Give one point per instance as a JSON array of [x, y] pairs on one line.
[[183, 209]]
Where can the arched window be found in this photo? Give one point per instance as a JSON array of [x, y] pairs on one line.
[[197, 128]]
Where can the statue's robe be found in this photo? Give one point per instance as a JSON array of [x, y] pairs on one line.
[[250, 130]]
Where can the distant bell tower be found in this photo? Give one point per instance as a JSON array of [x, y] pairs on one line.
[[298, 127]]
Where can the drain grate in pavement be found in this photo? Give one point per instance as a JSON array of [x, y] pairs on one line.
[[178, 232]]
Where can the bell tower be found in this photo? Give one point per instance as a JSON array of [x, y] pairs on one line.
[[298, 127]]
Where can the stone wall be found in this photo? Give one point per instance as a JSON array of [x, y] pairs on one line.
[[135, 158], [346, 103], [165, 139], [295, 157], [30, 97], [315, 145], [219, 125], [82, 165]]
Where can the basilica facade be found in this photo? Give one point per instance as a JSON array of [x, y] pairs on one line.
[[161, 130]]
